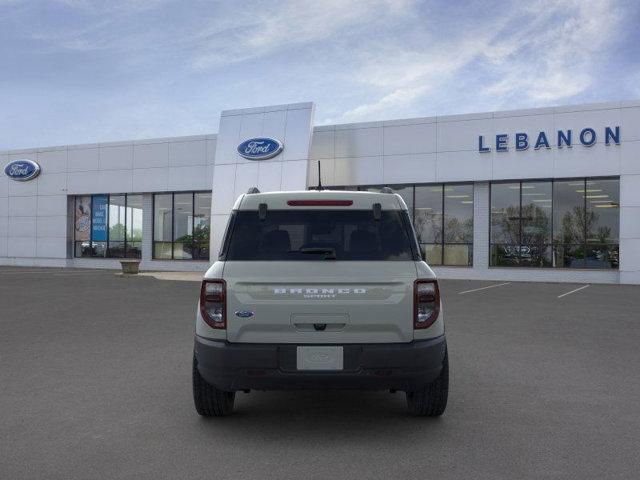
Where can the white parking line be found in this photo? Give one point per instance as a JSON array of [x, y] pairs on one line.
[[56, 273], [21, 271], [24, 273], [484, 288], [70, 274], [573, 291]]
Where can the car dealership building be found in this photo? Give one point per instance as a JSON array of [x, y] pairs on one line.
[[548, 194]]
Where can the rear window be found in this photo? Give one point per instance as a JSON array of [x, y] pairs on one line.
[[320, 235]]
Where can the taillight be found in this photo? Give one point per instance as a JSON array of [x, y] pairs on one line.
[[426, 303], [213, 303]]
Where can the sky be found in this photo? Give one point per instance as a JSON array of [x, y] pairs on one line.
[[80, 71]]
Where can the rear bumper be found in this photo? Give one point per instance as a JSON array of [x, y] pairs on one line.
[[398, 366]]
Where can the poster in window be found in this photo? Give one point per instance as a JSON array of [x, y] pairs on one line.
[[83, 219], [99, 220]]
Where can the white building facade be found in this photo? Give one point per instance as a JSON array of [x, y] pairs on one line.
[[549, 194]]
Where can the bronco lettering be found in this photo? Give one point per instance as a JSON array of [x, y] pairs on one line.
[[316, 291]]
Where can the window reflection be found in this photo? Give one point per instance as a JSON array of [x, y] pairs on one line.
[[134, 226], [108, 226], [603, 223], [505, 213], [505, 224], [569, 223], [117, 219], [565, 223], [201, 223], [568, 212], [443, 219], [182, 225], [428, 221], [536, 200], [82, 226], [458, 224], [603, 211], [162, 225]]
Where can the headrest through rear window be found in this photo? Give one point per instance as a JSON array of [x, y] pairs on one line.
[[363, 241], [275, 241]]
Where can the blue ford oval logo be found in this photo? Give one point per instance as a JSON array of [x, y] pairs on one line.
[[260, 148], [22, 170], [243, 313]]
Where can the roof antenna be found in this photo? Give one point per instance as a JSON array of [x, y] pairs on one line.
[[319, 187]]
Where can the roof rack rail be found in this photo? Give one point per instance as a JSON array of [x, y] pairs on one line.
[[386, 190], [253, 190]]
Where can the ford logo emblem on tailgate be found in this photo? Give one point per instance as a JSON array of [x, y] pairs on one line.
[[260, 148], [243, 313]]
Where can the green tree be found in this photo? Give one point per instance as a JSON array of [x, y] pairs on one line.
[[116, 232], [428, 226]]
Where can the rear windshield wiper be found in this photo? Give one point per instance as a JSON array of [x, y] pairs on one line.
[[329, 253]]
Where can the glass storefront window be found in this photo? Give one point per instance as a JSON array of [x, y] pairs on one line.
[[117, 219], [134, 226], [108, 226], [82, 226], [505, 213], [162, 225], [569, 223], [99, 225], [564, 223], [603, 211], [535, 230], [201, 225], [603, 223], [505, 224], [181, 225], [458, 225], [442, 215], [427, 221], [568, 212]]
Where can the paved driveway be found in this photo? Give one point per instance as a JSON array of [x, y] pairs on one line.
[[95, 383]]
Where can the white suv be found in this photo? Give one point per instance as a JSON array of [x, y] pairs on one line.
[[320, 290]]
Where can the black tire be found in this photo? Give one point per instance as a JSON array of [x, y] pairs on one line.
[[209, 401], [431, 401]]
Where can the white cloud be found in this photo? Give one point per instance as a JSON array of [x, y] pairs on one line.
[[556, 63], [406, 76], [112, 6], [162, 68], [544, 52], [399, 97], [288, 24]]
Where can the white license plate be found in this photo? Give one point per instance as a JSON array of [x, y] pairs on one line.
[[320, 358]]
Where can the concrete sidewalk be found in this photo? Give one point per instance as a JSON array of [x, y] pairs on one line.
[[175, 276]]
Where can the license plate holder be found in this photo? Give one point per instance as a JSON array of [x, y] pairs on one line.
[[320, 358]]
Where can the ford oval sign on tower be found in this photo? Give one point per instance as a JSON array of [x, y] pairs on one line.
[[22, 170], [260, 148]]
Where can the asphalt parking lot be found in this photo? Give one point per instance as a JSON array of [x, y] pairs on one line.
[[95, 382]]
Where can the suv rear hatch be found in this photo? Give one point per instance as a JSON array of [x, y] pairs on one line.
[[320, 275]]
